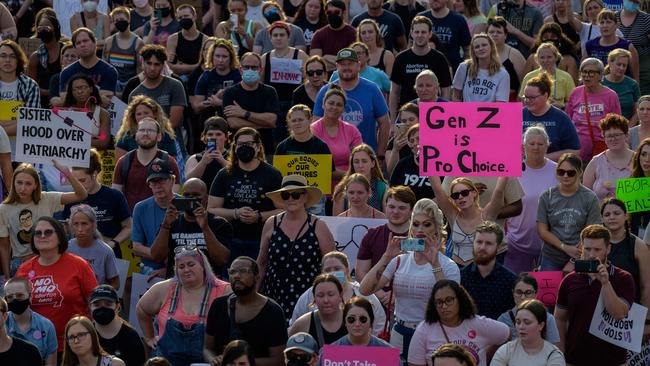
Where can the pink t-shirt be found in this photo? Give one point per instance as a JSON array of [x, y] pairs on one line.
[[603, 102], [347, 137], [475, 335]]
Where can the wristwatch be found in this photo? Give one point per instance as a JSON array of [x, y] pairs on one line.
[[247, 115]]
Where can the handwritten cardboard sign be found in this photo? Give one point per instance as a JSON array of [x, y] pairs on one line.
[[43, 135], [317, 168], [635, 192], [286, 71], [626, 333], [116, 113], [470, 139], [548, 283], [359, 356]]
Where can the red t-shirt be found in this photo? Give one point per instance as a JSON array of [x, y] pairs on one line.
[[579, 297], [374, 243], [331, 41], [61, 290]]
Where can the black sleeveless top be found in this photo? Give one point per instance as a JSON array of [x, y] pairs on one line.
[[514, 78], [380, 64], [284, 90], [568, 30], [328, 337], [622, 256], [188, 52]]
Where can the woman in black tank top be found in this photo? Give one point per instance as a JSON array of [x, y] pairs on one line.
[[379, 57]]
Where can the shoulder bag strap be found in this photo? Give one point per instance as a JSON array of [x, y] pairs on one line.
[[588, 116], [444, 332], [319, 328], [390, 298], [512, 316]]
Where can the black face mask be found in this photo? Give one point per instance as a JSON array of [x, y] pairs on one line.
[[103, 316], [272, 16], [122, 25], [186, 23], [45, 35], [245, 153], [18, 306], [164, 12], [334, 20]]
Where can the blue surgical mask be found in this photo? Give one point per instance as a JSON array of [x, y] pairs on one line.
[[340, 275], [250, 76], [630, 6]]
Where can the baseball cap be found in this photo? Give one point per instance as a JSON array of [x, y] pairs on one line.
[[302, 341], [159, 169], [103, 292], [347, 54]]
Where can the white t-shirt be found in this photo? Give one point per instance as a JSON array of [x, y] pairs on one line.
[[9, 91], [485, 87], [513, 354], [522, 229], [413, 283], [475, 335]]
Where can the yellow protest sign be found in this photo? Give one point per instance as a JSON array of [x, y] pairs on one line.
[[9, 109], [317, 168], [108, 166], [127, 254]]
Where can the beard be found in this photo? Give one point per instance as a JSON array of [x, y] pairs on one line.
[[243, 291], [483, 259], [147, 145]]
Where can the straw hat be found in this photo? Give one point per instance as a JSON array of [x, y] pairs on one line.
[[294, 182]]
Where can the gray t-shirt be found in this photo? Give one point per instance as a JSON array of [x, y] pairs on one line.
[[169, 93], [100, 256], [552, 334], [263, 38], [566, 217]]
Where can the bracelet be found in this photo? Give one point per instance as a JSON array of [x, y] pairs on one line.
[[436, 270], [247, 115], [562, 246], [236, 215]]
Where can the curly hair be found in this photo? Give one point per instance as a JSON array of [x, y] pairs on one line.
[[466, 306], [130, 125]]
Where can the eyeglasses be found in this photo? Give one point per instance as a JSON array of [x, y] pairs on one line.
[[247, 143], [234, 271], [10, 56], [147, 131], [315, 72], [44, 233], [527, 293], [351, 319], [76, 338], [528, 99], [589, 72], [248, 67], [295, 195], [185, 248], [464, 193], [449, 301], [569, 173], [614, 136]]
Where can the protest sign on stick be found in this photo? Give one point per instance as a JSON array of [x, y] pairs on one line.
[[470, 139], [44, 135]]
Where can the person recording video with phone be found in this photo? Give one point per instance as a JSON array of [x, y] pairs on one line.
[[188, 224], [594, 277]]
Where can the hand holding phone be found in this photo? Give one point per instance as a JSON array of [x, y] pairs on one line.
[[234, 21], [211, 145], [412, 244], [586, 266], [187, 204]]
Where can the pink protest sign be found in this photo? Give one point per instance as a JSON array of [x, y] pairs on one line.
[[548, 283], [470, 139], [359, 356]]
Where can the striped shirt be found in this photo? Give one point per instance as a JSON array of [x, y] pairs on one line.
[[637, 32]]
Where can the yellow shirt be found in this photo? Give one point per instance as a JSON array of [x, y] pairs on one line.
[[562, 87]]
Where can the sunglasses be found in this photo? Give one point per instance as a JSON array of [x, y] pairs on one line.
[[569, 173], [45, 233], [295, 195], [457, 195], [351, 319], [302, 359], [315, 72]]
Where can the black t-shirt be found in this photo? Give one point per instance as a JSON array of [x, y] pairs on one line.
[[403, 152], [405, 12], [243, 188], [184, 232], [110, 207], [308, 29], [267, 329], [291, 146], [408, 65], [126, 345], [264, 99], [300, 97], [390, 26], [21, 353], [407, 173], [211, 170]]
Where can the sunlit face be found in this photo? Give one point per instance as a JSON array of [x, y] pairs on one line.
[[464, 202], [70, 56], [161, 187], [595, 249], [408, 118], [528, 328], [619, 66], [363, 163], [148, 133], [592, 10], [613, 217], [426, 88], [189, 269], [279, 38], [316, 73], [616, 139], [221, 59], [217, 135], [397, 212], [368, 34], [334, 106], [546, 58], [421, 34], [25, 185], [644, 160], [333, 264], [481, 47], [497, 34], [327, 298], [535, 147], [16, 291], [79, 339], [312, 9], [446, 304], [357, 322], [348, 69], [523, 292], [82, 226], [643, 111], [299, 123], [142, 111], [153, 68], [534, 99], [485, 247], [607, 27], [47, 240], [423, 226], [81, 90], [591, 75], [238, 8], [361, 54], [565, 180], [357, 194], [8, 60], [414, 142], [84, 44], [185, 13]]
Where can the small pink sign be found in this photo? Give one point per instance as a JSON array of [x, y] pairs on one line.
[[359, 356], [548, 283], [471, 139]]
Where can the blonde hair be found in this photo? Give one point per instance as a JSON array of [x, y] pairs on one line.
[[616, 53], [472, 63], [469, 184], [28, 169], [430, 209], [130, 126]]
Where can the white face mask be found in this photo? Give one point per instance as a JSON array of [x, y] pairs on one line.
[[140, 3], [90, 6]]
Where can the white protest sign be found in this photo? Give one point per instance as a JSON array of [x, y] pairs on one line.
[[348, 233], [641, 358], [43, 135], [123, 271], [626, 333], [286, 71], [116, 113], [139, 285]]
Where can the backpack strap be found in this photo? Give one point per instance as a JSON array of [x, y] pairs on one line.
[[319, 328], [128, 160]]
